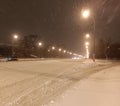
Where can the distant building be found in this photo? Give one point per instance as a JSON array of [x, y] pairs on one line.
[[5, 49]]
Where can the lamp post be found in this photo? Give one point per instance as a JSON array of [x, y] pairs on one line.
[[15, 37], [40, 44], [87, 49], [87, 36], [59, 49], [94, 39], [53, 53], [86, 14], [64, 51], [60, 52], [87, 45], [53, 48]]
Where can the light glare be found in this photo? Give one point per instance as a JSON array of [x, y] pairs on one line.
[[15, 36], [86, 13], [87, 43], [87, 35], [53, 48], [60, 50], [40, 43]]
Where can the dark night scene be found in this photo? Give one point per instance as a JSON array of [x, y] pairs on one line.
[[59, 52]]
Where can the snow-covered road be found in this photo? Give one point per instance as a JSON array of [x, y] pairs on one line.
[[34, 83], [99, 89]]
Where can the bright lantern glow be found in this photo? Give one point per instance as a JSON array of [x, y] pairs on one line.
[[86, 13], [60, 50], [15, 36], [86, 46], [53, 48], [87, 43], [64, 51], [87, 35], [40, 43]]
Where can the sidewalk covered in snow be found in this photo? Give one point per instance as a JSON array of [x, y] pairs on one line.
[[100, 89]]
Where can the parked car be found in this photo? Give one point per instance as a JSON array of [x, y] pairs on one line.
[[12, 58]]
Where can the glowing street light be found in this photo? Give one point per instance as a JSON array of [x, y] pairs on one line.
[[86, 46], [64, 51], [40, 44], [15, 36], [53, 48], [59, 49], [86, 13], [87, 43], [87, 36]]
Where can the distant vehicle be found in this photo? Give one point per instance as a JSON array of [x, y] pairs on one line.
[[12, 58]]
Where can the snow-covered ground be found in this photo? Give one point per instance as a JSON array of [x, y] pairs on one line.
[[35, 83], [100, 89]]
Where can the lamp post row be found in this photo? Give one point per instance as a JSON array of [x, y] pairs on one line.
[[86, 14], [40, 44]]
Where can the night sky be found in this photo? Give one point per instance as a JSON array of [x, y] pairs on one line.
[[59, 21]]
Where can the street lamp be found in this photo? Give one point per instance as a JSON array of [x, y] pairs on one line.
[[59, 49], [53, 48], [87, 49], [15, 37], [87, 36], [87, 46], [64, 51], [87, 43], [40, 44], [86, 13]]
